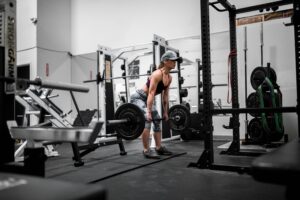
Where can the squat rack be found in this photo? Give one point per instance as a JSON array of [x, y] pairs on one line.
[[206, 159]]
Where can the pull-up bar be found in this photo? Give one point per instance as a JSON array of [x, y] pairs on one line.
[[231, 8]]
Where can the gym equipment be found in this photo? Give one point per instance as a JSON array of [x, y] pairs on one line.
[[23, 84], [43, 106], [281, 166], [272, 123], [8, 61], [253, 102], [100, 78], [129, 123], [181, 80], [259, 74], [57, 134], [261, 43], [34, 157], [246, 80], [130, 120], [206, 159], [86, 117], [32, 108], [267, 95], [183, 92], [179, 118], [195, 130], [58, 119], [255, 131]]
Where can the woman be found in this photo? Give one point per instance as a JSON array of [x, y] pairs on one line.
[[158, 83]]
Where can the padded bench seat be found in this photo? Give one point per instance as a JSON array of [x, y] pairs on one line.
[[15, 186], [281, 166]]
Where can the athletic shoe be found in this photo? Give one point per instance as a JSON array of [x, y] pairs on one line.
[[163, 151], [151, 154]]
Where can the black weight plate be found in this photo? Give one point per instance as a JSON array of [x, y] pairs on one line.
[[273, 135], [253, 102], [256, 131], [136, 124], [179, 118], [259, 74]]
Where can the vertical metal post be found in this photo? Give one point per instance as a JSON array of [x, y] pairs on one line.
[[154, 43], [246, 81], [98, 86], [235, 145], [198, 83], [296, 21], [207, 157], [125, 79], [7, 68], [262, 44], [179, 76], [77, 108]]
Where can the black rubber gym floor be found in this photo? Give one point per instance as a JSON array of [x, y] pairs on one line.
[[134, 177]]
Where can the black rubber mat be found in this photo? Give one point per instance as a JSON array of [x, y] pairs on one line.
[[177, 183], [134, 177], [97, 169]]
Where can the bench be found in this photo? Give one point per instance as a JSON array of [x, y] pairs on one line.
[[281, 166]]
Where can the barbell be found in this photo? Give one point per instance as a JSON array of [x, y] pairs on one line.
[[100, 78], [130, 121]]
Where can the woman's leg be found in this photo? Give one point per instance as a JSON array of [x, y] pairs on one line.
[[156, 128], [157, 139], [161, 150], [145, 139], [140, 101]]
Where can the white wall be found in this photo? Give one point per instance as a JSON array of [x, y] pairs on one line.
[[46, 42], [120, 23], [84, 67], [26, 35], [26, 30], [53, 41], [53, 28]]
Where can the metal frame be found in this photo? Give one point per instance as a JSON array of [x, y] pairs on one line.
[[206, 159], [8, 40], [7, 68], [296, 22]]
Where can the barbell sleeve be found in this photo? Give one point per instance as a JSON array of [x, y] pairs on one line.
[[47, 84], [121, 121], [117, 121], [61, 86]]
